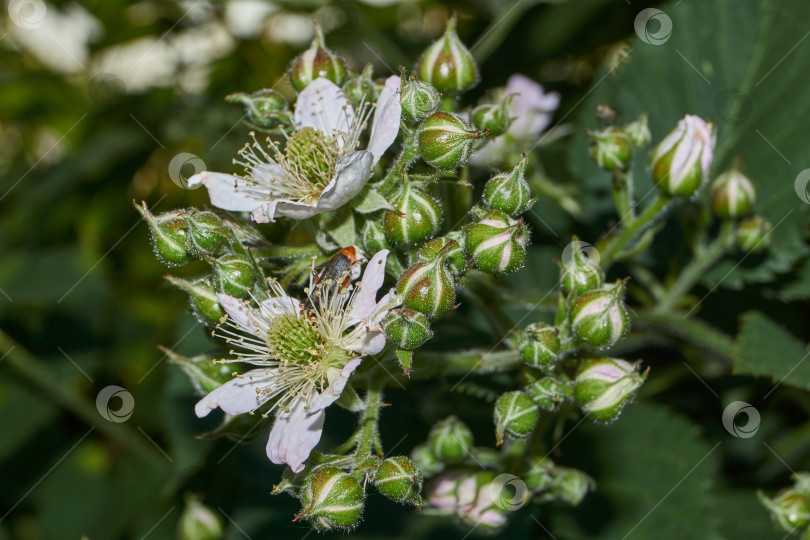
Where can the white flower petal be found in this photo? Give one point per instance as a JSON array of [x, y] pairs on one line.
[[294, 435], [351, 175], [532, 108], [280, 306], [323, 106], [385, 127], [373, 343], [239, 395], [223, 193], [265, 212], [239, 311], [335, 388], [364, 303]]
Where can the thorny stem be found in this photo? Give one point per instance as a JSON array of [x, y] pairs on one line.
[[696, 268]]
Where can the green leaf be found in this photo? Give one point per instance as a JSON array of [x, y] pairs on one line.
[[741, 515], [340, 226], [656, 473], [765, 348], [719, 56], [369, 200]]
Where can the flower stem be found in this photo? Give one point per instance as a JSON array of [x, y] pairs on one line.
[[33, 369], [270, 251], [696, 268], [622, 184], [368, 434], [612, 250]]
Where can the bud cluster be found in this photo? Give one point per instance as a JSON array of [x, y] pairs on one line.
[[790, 508]]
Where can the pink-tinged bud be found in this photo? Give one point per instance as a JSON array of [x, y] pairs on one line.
[[427, 287], [599, 318], [332, 500], [681, 162], [509, 192], [445, 140], [753, 234], [732, 194], [483, 503], [603, 386], [611, 148], [317, 61], [540, 345], [447, 64], [497, 243], [579, 269]]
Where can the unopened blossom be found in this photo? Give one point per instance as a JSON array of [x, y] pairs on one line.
[[320, 168], [530, 109], [681, 162], [304, 354]]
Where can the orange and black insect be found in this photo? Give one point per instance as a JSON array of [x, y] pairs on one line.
[[336, 272]]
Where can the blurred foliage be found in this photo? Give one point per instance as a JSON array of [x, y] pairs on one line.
[[81, 291]]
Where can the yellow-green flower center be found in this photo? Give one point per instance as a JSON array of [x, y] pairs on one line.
[[294, 340], [312, 155]]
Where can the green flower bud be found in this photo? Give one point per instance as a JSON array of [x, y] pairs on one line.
[[753, 234], [169, 233], [418, 99], [415, 218], [790, 510], [427, 287], [539, 475], [424, 458], [198, 522], [399, 479], [603, 386], [569, 486], [445, 140], [447, 64], [611, 148], [682, 160], [332, 500], [317, 61], [549, 392], [266, 109], [599, 317], [234, 274], [450, 440], [361, 88], [206, 232], [509, 192], [497, 243], [406, 328], [493, 117], [639, 132], [203, 298], [540, 345], [801, 483], [579, 269], [515, 415], [732, 194], [373, 237], [454, 252]]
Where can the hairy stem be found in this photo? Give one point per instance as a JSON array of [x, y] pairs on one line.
[[612, 249]]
